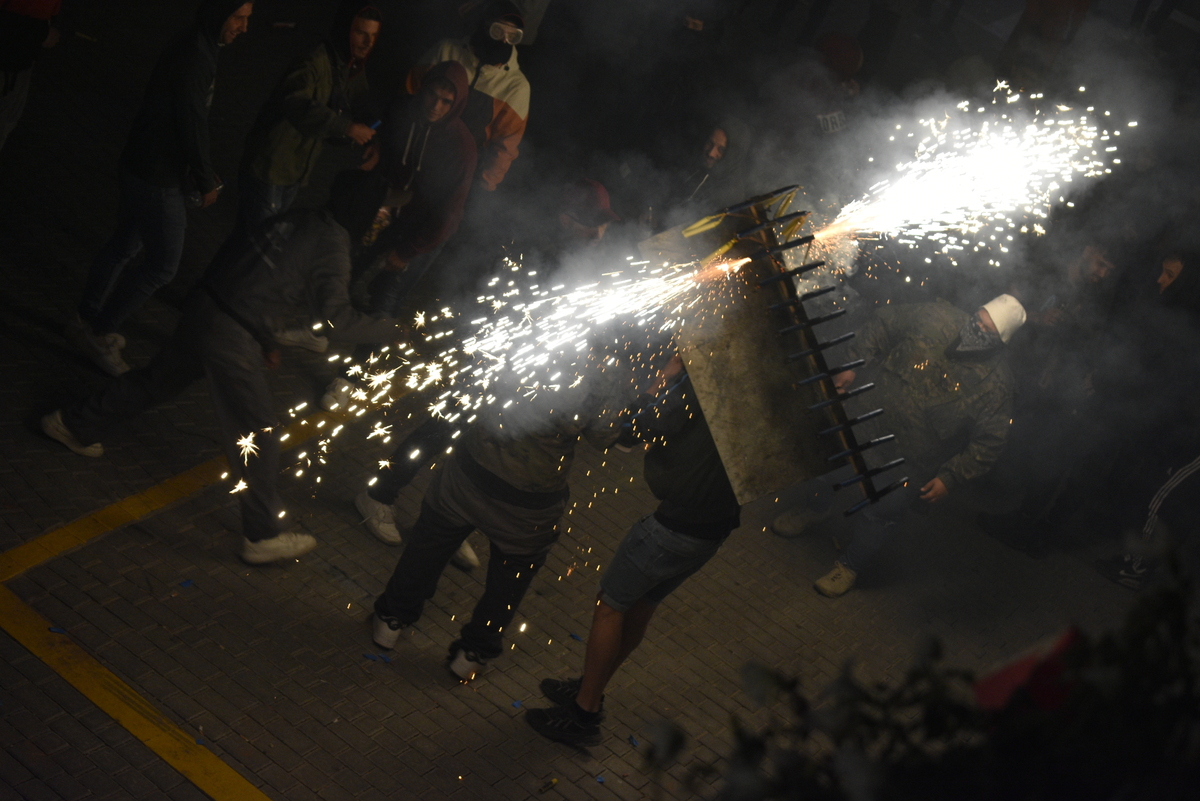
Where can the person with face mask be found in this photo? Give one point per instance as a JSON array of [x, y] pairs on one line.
[[939, 373], [165, 159], [498, 105], [313, 102]]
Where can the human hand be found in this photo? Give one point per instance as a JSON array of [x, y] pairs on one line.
[[370, 157], [52, 37], [209, 198], [360, 133], [395, 263], [843, 380], [934, 491]]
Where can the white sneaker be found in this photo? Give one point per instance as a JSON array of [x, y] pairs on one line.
[[465, 664], [287, 545], [54, 428], [337, 395], [379, 518], [104, 351], [464, 558], [385, 631], [302, 337]]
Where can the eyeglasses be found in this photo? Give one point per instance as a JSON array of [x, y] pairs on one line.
[[506, 32]]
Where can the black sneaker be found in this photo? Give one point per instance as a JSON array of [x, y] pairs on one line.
[[563, 724], [561, 692], [1124, 571]]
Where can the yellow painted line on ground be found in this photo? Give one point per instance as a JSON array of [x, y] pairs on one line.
[[58, 541], [84, 672], [102, 687]]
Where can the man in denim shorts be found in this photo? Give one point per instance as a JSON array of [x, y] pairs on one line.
[[697, 512]]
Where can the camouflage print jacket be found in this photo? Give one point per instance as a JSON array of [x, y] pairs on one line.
[[531, 443], [930, 400]]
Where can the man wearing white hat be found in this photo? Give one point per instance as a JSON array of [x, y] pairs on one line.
[[940, 374]]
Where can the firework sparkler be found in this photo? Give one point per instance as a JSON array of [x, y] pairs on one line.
[[982, 175]]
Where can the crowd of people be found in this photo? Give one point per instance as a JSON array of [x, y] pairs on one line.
[[1073, 388]]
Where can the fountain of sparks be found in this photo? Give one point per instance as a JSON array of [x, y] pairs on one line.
[[980, 176]]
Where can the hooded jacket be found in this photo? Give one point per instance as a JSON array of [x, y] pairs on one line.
[[311, 103], [499, 104], [931, 401], [435, 162], [699, 191], [169, 139]]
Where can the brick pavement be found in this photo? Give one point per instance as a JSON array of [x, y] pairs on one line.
[[271, 667]]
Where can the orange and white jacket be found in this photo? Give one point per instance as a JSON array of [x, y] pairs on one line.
[[499, 136]]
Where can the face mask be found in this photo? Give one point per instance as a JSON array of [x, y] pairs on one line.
[[973, 337]]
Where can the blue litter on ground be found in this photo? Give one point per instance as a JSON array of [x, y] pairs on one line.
[[57, 630], [199, 741], [600, 779], [386, 660], [576, 637], [187, 583], [517, 704], [372, 657], [633, 741]]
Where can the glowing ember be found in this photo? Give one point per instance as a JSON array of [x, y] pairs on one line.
[[975, 182]]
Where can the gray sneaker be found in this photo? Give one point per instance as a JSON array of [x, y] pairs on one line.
[[54, 428], [385, 630], [465, 664], [379, 518], [465, 558], [302, 337], [286, 545]]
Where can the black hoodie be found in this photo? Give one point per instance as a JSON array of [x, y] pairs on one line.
[[168, 145]]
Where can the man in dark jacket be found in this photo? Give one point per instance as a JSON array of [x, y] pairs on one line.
[[428, 159], [313, 102], [300, 261], [942, 377], [661, 551], [166, 157]]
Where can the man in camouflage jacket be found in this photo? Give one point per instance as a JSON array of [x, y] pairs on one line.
[[944, 383]]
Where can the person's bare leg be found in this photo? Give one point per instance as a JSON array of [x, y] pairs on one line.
[[613, 637]]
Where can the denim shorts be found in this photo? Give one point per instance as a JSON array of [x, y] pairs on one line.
[[651, 562]]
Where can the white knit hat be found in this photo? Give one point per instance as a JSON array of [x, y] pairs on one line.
[[1007, 313]]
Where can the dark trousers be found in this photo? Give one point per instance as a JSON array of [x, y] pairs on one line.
[[427, 440], [150, 217], [453, 507], [206, 343]]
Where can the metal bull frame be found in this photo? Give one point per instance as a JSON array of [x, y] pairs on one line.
[[741, 354]]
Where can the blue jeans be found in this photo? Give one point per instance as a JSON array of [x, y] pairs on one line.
[[258, 201], [651, 562], [150, 216]]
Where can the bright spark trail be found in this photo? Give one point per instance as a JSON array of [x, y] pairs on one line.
[[979, 177]]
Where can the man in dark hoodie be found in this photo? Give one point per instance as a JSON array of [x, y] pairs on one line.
[[300, 261], [428, 159], [165, 157], [312, 103], [710, 176]]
